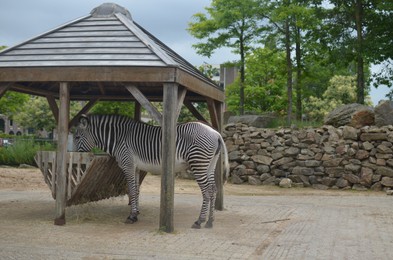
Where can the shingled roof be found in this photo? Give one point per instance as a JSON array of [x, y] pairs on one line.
[[107, 37]]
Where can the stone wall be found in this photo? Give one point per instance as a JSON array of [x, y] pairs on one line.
[[326, 157]]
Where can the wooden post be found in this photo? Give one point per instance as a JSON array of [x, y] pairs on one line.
[[61, 159], [137, 111], [219, 173], [168, 157]]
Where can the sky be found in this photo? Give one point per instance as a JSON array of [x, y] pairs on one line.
[[167, 20]]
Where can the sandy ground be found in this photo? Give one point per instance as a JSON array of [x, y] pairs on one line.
[[254, 220]]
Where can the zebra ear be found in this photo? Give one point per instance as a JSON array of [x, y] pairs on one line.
[[83, 121]]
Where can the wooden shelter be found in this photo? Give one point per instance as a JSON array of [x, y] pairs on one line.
[[108, 56]]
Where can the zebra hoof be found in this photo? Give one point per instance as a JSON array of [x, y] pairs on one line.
[[131, 220], [209, 224], [196, 225]]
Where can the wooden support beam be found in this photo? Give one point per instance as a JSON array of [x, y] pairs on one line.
[[168, 157], [3, 89], [137, 111], [219, 172], [211, 105], [138, 95], [84, 110], [61, 159], [195, 112], [53, 106], [180, 99]]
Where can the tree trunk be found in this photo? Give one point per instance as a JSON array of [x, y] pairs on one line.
[[242, 77], [359, 51], [289, 71], [298, 76]]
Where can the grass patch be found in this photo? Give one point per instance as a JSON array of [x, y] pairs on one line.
[[22, 151], [282, 122]]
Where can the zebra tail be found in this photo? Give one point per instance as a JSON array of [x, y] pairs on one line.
[[226, 160]]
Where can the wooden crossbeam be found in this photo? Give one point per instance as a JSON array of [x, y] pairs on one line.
[[195, 112], [138, 95], [180, 99], [3, 89], [53, 106], [211, 105], [84, 110]]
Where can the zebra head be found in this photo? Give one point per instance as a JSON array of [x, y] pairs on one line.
[[83, 140]]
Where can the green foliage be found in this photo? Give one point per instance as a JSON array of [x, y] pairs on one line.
[[36, 114], [282, 122], [229, 23], [341, 90], [12, 102], [113, 108], [264, 83], [22, 151], [208, 70]]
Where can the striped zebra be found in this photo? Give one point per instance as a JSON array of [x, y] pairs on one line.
[[137, 146]]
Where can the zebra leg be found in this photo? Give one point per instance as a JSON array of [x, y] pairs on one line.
[[203, 213], [137, 183], [213, 194], [132, 193], [212, 189], [200, 170]]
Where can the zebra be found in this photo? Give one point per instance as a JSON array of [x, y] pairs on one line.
[[137, 146]]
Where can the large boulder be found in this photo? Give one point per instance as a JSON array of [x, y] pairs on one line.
[[355, 115], [259, 121], [384, 113]]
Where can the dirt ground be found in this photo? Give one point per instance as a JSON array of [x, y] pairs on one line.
[[254, 219]]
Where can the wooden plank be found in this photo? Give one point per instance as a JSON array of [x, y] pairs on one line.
[[195, 112], [83, 45], [90, 56], [53, 176], [219, 172], [91, 34], [138, 95], [213, 112], [61, 168], [137, 111], [91, 22], [53, 106], [180, 99], [69, 173], [168, 157], [3, 89], [79, 50], [200, 86], [95, 28], [75, 63], [88, 74]]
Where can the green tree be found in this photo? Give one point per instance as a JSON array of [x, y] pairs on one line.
[[113, 108], [36, 114], [265, 81], [289, 21], [341, 90], [12, 102], [359, 31], [228, 23]]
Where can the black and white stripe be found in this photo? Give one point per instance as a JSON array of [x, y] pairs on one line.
[[137, 146]]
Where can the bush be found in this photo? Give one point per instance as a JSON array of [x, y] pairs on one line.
[[22, 151]]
